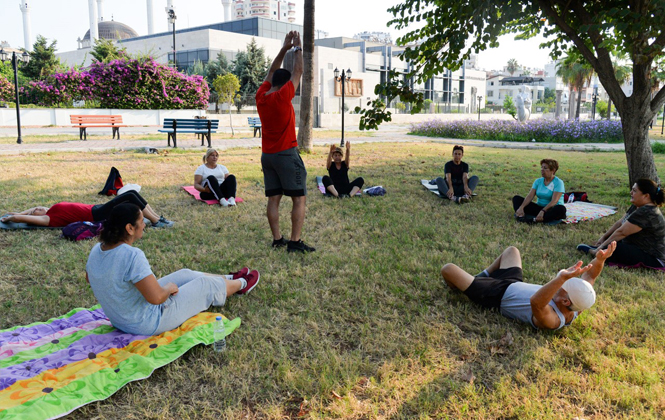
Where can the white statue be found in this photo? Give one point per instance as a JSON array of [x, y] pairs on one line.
[[523, 103]]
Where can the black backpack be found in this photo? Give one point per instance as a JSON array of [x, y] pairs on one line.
[[113, 183]]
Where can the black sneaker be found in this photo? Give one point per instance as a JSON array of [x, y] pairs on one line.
[[585, 248], [278, 243], [299, 246]]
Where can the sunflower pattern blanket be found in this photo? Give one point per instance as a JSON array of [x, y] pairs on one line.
[[48, 369]]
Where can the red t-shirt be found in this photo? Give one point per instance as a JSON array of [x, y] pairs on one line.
[[278, 119], [62, 214]]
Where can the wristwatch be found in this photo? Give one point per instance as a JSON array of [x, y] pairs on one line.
[[297, 49]]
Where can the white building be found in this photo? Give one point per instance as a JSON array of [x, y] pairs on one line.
[[281, 10]]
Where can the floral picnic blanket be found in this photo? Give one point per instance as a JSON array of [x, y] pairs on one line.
[[48, 369], [581, 211]]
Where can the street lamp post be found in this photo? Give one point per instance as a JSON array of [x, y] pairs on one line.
[[480, 98], [25, 57], [345, 77], [172, 18], [594, 98]]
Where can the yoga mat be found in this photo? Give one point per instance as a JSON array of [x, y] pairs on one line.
[[14, 225], [49, 369], [197, 195], [431, 188]]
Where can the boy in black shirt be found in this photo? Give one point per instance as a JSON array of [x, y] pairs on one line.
[[457, 185]]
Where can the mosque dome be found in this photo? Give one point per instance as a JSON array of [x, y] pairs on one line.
[[112, 30]]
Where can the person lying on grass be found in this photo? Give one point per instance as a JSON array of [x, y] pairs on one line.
[[640, 233], [131, 296], [550, 306], [457, 185], [64, 213], [549, 190], [214, 181], [337, 181]]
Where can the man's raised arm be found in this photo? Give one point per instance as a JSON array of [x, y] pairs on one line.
[[277, 62]]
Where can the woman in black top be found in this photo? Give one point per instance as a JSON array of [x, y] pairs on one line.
[[457, 185], [640, 234], [337, 181]]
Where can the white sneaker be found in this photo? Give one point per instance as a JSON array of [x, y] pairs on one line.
[[232, 201], [223, 202]]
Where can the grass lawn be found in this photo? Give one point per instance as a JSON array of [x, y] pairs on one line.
[[105, 134], [364, 328]]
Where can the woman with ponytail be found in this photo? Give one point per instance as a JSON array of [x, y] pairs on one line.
[[640, 234], [133, 299]]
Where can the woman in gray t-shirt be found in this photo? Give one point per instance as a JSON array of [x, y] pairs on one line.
[[640, 234]]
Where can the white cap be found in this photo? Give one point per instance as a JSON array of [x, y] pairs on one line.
[[581, 294]]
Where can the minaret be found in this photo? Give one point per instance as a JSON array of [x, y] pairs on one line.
[[151, 22], [169, 6], [94, 31], [100, 10], [27, 36], [227, 10]]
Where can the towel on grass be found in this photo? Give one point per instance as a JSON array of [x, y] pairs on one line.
[[14, 225], [197, 195], [322, 188], [48, 369]]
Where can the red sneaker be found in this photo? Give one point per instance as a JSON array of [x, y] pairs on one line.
[[240, 274], [252, 280]]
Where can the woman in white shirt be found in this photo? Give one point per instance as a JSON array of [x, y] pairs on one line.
[[214, 181]]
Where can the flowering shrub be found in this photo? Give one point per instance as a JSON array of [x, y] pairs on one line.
[[125, 83], [541, 130], [6, 89]]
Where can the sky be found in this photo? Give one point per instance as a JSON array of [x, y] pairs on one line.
[[67, 20]]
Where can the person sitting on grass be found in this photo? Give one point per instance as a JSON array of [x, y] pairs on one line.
[[640, 234], [550, 306], [337, 181], [62, 214], [133, 299], [214, 181], [457, 185], [549, 190]]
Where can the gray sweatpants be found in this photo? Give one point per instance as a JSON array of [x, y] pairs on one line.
[[196, 292]]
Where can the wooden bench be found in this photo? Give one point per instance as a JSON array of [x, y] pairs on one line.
[[87, 121], [173, 126], [255, 123]]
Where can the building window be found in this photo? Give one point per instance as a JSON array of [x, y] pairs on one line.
[[491, 83], [490, 93]]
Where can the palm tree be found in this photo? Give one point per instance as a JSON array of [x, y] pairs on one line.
[[576, 73], [306, 92], [512, 66]]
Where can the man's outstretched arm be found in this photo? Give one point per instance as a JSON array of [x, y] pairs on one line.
[[598, 263], [277, 62]]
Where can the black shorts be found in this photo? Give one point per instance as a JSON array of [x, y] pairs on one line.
[[488, 291]]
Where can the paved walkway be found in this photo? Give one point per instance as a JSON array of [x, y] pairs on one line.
[[388, 133]]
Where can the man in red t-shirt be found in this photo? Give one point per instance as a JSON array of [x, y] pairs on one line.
[[284, 172]]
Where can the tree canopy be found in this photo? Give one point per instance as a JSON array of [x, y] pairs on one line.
[[251, 66], [106, 50], [43, 61], [441, 36]]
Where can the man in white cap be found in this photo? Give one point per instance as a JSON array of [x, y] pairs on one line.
[[550, 306]]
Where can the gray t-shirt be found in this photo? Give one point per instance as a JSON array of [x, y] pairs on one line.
[[516, 304], [651, 239], [112, 276]]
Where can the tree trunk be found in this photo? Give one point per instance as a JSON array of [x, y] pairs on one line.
[[609, 109], [577, 105], [635, 122], [307, 85], [231, 122]]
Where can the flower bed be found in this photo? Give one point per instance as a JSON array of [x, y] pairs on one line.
[[540, 130], [6, 89]]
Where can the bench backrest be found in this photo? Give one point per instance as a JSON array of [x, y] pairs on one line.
[[190, 123], [254, 121], [90, 119]]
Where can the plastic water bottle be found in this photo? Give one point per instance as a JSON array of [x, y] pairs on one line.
[[220, 335]]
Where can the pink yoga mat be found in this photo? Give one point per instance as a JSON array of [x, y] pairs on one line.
[[197, 195]]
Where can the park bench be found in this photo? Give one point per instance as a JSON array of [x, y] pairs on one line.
[[173, 126], [255, 123], [83, 122]]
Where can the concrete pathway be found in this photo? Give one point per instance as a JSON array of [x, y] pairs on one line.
[[389, 133]]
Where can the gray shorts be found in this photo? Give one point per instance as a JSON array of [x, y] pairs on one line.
[[284, 173]]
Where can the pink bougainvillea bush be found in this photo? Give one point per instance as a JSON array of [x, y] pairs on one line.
[[6, 89], [125, 83]]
